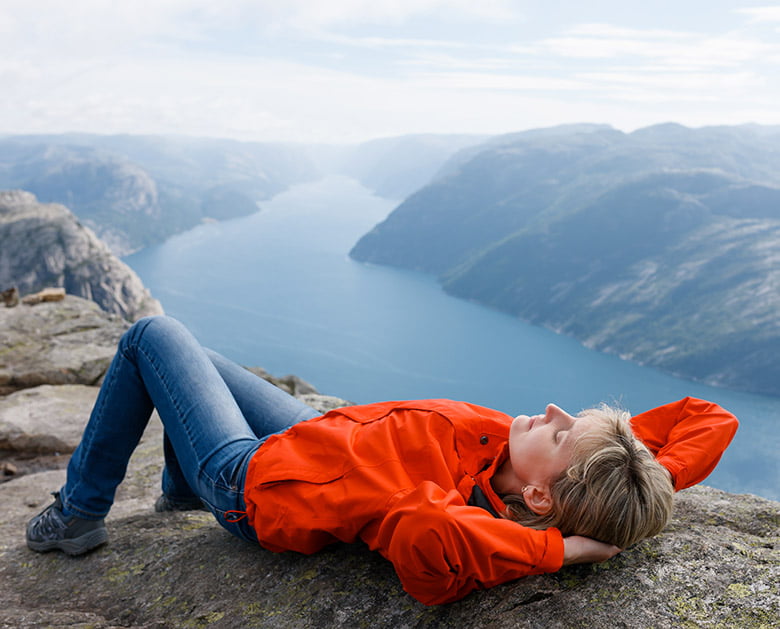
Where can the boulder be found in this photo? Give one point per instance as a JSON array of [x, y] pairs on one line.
[[45, 420], [291, 384], [44, 245], [47, 294], [66, 342]]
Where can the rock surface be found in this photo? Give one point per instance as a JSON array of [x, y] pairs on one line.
[[716, 565], [44, 245], [67, 342], [48, 419]]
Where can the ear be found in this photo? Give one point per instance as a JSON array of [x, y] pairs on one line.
[[538, 499]]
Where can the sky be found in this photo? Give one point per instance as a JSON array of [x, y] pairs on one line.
[[352, 70]]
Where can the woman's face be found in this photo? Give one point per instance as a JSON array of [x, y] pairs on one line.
[[540, 446]]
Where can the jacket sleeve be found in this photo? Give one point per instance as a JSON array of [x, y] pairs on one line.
[[442, 549], [687, 437]]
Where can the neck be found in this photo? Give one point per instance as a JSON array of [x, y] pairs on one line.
[[504, 480]]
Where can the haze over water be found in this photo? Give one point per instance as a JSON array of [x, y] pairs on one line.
[[278, 290]]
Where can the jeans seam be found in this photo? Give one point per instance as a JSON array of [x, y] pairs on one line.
[[68, 504]]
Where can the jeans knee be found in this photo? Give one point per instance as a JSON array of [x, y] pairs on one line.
[[155, 324]]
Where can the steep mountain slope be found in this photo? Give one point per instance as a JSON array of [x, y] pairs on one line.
[[134, 191], [662, 246], [137, 190], [45, 245]]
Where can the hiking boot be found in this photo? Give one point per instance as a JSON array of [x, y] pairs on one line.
[[51, 530], [166, 503]]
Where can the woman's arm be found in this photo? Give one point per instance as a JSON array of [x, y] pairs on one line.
[[579, 549], [442, 549], [687, 437]]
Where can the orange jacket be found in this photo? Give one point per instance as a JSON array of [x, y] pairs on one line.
[[401, 476]]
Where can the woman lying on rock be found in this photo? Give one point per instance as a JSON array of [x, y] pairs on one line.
[[457, 496]]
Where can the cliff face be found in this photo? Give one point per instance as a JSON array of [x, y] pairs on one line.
[[716, 565], [45, 245]]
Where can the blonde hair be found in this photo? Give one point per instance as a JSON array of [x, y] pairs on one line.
[[613, 490]]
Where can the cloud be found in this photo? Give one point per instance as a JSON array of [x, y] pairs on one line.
[[389, 42], [495, 81], [692, 87], [305, 13], [349, 69], [761, 14], [668, 48]]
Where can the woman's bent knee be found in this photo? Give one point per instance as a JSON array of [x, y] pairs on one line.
[[155, 324]]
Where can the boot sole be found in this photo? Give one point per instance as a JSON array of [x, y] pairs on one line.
[[76, 546]]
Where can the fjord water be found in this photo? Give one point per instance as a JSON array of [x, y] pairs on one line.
[[277, 289]]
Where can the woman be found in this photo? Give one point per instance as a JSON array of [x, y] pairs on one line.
[[457, 496]]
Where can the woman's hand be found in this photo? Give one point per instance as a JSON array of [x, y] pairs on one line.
[[579, 549]]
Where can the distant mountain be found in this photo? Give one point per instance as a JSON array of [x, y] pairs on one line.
[[134, 191], [662, 246], [44, 245], [396, 167], [138, 190]]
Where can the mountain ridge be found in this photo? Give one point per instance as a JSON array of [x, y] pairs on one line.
[[137, 190], [659, 246], [134, 191]]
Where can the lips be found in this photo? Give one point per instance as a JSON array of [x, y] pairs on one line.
[[532, 420]]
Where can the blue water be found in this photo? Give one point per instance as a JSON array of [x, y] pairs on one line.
[[277, 289]]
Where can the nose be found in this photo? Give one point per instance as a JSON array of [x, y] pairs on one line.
[[557, 414]]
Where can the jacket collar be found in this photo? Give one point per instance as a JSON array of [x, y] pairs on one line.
[[483, 495]]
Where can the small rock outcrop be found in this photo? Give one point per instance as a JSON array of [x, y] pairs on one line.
[[67, 342], [44, 245], [717, 564], [47, 419]]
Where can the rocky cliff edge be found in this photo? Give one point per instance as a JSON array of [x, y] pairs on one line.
[[44, 244], [716, 565]]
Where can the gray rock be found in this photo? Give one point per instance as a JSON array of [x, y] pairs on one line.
[[323, 403], [716, 565], [45, 245], [46, 419], [291, 384], [66, 342]]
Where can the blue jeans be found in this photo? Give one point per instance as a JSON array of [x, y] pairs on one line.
[[216, 414]]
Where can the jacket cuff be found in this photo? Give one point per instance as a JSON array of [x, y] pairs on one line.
[[676, 469], [552, 559]]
